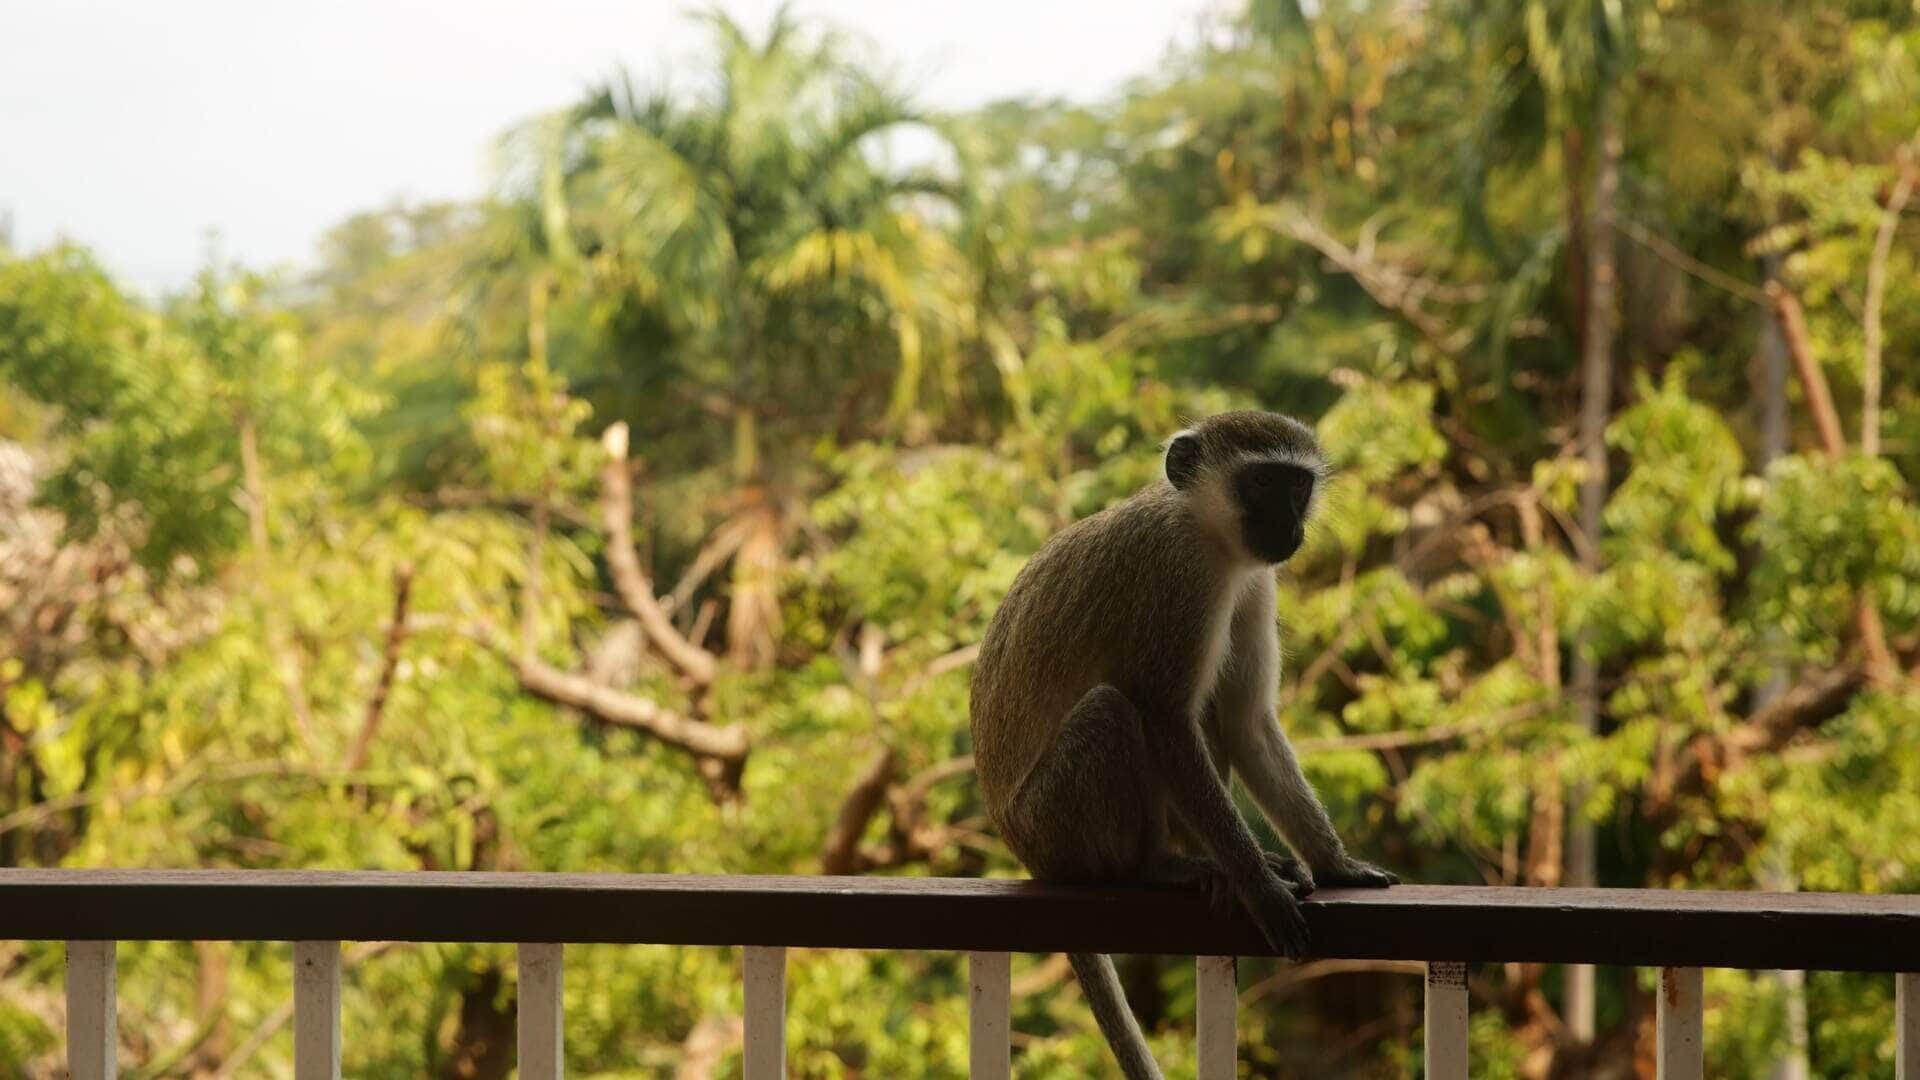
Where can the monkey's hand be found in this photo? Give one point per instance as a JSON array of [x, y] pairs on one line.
[[1352, 873], [1270, 901], [1292, 871]]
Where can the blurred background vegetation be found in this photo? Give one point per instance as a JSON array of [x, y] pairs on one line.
[[645, 517]]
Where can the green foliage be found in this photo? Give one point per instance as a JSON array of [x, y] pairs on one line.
[[1826, 529], [860, 395]]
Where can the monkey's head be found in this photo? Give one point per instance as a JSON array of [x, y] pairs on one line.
[[1252, 479]]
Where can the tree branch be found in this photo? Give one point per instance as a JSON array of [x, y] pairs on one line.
[[279, 1018], [636, 591], [1793, 326], [1295, 974], [1389, 286], [1909, 171], [1671, 253], [841, 854], [711, 556], [389, 665], [1695, 768], [727, 744]]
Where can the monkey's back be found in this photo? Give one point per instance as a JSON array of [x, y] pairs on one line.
[[1120, 597]]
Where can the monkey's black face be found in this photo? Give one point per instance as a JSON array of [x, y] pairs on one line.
[[1274, 498]]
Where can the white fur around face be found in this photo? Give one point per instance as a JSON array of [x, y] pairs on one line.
[[1218, 512]]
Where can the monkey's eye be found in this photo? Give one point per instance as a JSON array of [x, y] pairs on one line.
[[1288, 485]]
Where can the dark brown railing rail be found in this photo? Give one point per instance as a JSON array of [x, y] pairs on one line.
[[1824, 931], [1446, 926]]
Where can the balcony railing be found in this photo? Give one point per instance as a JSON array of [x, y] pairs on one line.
[[1447, 927]]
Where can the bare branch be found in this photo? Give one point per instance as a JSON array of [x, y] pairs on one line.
[[1297, 974], [1876, 295], [1793, 326], [712, 555], [279, 1017], [922, 782], [636, 591], [1390, 287], [1671, 253], [389, 664], [841, 854], [938, 666], [1776, 722], [1695, 767], [697, 737]]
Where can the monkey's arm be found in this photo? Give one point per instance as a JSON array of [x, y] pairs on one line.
[[1267, 766], [1199, 799], [1265, 760]]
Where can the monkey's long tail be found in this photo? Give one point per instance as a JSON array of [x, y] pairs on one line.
[[1101, 983]]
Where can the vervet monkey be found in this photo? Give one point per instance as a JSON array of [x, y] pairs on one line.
[[1133, 668]]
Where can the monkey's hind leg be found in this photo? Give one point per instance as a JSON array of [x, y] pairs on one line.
[[1088, 811]]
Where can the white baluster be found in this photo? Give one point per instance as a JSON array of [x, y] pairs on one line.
[[1680, 1050], [93, 1037], [316, 1010], [1906, 1019], [765, 977], [1217, 1004], [1446, 1026], [989, 987], [542, 1054]]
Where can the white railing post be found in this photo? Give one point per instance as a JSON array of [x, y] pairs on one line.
[[1216, 1005], [1679, 1047], [542, 1053], [764, 974], [1906, 1020], [93, 1036], [316, 1010], [1446, 1022], [989, 989]]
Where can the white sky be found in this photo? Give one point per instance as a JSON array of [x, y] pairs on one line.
[[135, 126]]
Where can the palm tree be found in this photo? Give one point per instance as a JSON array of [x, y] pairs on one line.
[[756, 253], [744, 215]]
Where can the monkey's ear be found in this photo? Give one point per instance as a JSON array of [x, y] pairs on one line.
[[1183, 461]]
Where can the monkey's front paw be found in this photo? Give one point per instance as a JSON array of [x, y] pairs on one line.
[[1271, 903], [1292, 871], [1354, 874]]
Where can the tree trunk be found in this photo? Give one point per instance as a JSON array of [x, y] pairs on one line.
[[210, 1003], [1596, 405], [1775, 874], [483, 1043], [1573, 159]]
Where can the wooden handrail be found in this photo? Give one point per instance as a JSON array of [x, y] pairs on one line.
[[1817, 931]]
